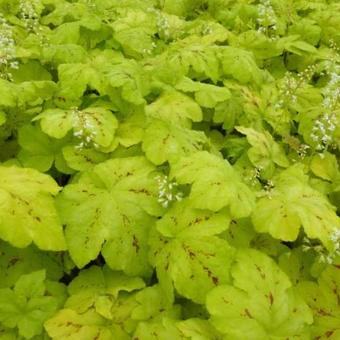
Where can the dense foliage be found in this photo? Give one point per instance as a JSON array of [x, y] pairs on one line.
[[169, 169]]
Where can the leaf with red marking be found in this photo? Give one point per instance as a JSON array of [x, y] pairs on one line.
[[186, 252], [112, 207], [261, 303], [324, 300]]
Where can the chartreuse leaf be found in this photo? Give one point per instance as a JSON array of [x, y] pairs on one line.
[[36, 149], [164, 141], [260, 304], [56, 122], [111, 296], [159, 329], [323, 298], [32, 70], [170, 328], [34, 93], [82, 159], [74, 79], [215, 184], [176, 108], [240, 64], [191, 55], [39, 151], [69, 325], [104, 296], [134, 31], [179, 7], [9, 97], [198, 329], [256, 42], [292, 204], [292, 44], [297, 264], [206, 95], [111, 203], [188, 253], [127, 80], [325, 167], [64, 54], [307, 30], [131, 129], [264, 153], [98, 288], [29, 304], [151, 303], [15, 262], [96, 123], [27, 210]]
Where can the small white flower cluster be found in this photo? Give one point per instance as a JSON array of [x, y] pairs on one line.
[[324, 256], [323, 130], [29, 15], [290, 85], [84, 130], [167, 191], [332, 90], [256, 175], [7, 50], [206, 29], [267, 19], [302, 150], [268, 187], [149, 51], [295, 144], [90, 4], [324, 127], [163, 25]]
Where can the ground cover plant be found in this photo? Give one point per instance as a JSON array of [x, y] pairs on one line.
[[169, 169]]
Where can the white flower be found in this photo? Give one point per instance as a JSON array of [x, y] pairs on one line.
[[84, 130], [7, 50], [167, 191], [323, 131], [29, 15], [267, 19]]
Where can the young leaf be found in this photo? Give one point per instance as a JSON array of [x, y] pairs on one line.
[[215, 184], [240, 64], [68, 325], [96, 287], [206, 95], [167, 142], [28, 305], [265, 152], [175, 108], [39, 151]]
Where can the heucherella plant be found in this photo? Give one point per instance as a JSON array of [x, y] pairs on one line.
[[169, 169]]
